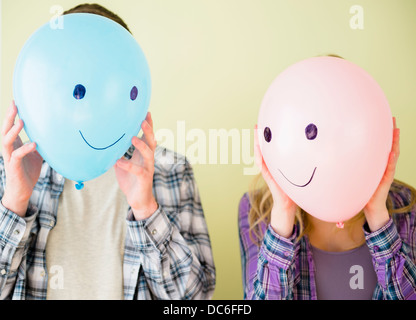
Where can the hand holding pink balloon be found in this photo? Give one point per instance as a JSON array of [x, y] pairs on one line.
[[375, 211], [284, 209]]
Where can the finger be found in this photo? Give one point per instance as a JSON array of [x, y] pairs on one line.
[[146, 152], [11, 140], [37, 154], [393, 157], [395, 148], [130, 167], [390, 171], [396, 135], [9, 120], [257, 152], [149, 119], [12, 134], [396, 142], [148, 135], [18, 154], [267, 176], [259, 156], [261, 164]]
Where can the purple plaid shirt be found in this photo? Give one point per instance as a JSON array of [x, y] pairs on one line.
[[283, 268]]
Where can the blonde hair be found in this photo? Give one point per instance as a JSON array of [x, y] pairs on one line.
[[262, 202]]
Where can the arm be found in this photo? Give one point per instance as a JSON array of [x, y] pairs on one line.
[[170, 235], [14, 236], [394, 259], [276, 266], [20, 168], [268, 270], [273, 276], [174, 245]]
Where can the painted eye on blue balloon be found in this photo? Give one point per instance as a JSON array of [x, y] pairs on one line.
[[311, 131], [79, 91], [133, 93]]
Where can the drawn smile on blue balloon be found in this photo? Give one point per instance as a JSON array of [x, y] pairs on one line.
[[297, 185], [95, 148]]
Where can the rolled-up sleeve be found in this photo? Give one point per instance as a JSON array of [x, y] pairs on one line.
[[393, 263], [14, 235], [275, 276], [267, 266], [172, 245]]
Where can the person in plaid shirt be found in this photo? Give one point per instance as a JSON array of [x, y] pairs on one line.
[[288, 254], [143, 236]]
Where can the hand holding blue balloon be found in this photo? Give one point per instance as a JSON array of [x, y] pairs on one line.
[[135, 176], [22, 165], [82, 92]]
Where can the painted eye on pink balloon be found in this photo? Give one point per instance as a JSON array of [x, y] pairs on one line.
[[311, 131], [267, 134]]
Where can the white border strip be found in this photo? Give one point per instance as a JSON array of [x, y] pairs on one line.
[[1, 40]]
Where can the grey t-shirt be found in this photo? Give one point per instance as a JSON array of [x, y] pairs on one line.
[[347, 275]]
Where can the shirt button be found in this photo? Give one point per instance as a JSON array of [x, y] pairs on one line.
[[3, 272], [154, 231], [286, 253], [376, 248], [51, 223], [16, 232], [42, 273]]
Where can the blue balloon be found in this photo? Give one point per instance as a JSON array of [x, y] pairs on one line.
[[82, 92]]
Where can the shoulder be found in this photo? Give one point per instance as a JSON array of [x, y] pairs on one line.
[[244, 208], [169, 162], [173, 181], [173, 176], [401, 195]]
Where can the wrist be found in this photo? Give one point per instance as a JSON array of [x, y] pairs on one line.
[[282, 221], [18, 206], [145, 210], [376, 218]]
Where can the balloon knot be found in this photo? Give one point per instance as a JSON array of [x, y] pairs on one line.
[[79, 185], [340, 225]]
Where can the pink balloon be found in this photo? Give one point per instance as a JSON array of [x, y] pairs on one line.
[[325, 130]]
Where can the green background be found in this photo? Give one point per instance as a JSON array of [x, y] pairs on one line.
[[212, 61]]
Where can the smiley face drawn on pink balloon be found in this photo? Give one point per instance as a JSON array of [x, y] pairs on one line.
[[325, 131], [311, 132]]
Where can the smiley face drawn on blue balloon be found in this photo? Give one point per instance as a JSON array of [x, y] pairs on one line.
[[82, 92]]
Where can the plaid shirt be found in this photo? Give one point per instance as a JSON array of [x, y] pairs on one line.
[[167, 256], [283, 268]]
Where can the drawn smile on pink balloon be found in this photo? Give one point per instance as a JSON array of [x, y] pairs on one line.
[[297, 185]]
